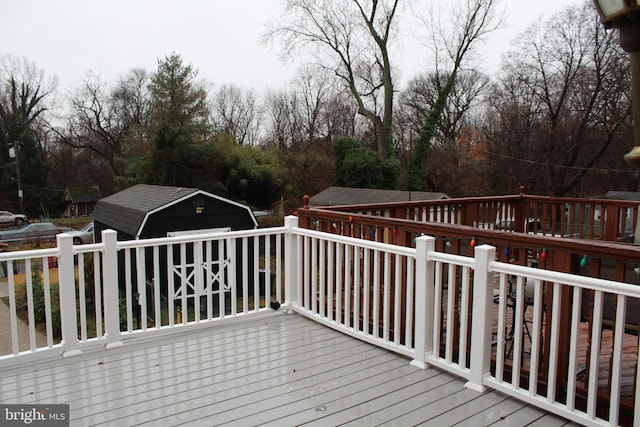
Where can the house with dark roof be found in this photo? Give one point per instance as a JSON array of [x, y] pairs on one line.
[[336, 196], [622, 195], [81, 201], [148, 211]]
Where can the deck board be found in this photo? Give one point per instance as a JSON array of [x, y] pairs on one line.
[[550, 420], [486, 406], [275, 370], [384, 405], [527, 415]]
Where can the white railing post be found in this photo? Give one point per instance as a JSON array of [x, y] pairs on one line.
[[424, 291], [110, 288], [291, 258], [480, 365], [67, 290]]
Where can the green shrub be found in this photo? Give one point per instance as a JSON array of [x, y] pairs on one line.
[[39, 310]]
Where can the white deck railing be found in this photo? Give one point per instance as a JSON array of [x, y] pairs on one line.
[[112, 291], [497, 325]]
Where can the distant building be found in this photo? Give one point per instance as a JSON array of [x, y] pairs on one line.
[[81, 201], [337, 196], [623, 195]]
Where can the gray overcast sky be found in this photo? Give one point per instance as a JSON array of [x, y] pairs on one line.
[[68, 38]]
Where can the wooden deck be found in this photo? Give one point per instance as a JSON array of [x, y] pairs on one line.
[[275, 370]]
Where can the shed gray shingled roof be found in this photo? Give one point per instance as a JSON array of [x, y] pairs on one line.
[[335, 196], [128, 208]]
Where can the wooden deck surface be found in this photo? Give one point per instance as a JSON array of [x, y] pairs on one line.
[[278, 370]]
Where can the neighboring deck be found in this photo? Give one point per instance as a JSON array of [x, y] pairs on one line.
[[274, 369]]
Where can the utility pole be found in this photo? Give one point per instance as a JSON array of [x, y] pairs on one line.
[[14, 153]]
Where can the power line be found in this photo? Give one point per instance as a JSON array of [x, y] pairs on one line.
[[533, 162]]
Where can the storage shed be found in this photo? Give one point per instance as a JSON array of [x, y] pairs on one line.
[[152, 211], [148, 211]]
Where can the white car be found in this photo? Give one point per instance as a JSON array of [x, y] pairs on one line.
[[7, 217], [84, 235]]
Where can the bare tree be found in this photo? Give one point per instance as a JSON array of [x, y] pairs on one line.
[[453, 42], [566, 80], [351, 38], [295, 115], [236, 113], [25, 98], [418, 101], [132, 99], [108, 125], [279, 120], [302, 122], [421, 96], [96, 124]]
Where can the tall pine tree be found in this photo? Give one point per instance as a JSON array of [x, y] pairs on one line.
[[179, 124]]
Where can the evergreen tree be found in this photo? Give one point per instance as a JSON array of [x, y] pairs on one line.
[[362, 168], [178, 125]]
